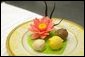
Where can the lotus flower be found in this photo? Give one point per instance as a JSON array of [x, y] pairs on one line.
[[41, 27]]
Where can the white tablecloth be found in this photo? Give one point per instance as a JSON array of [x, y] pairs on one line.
[[12, 16]]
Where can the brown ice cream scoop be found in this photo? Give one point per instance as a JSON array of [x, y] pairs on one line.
[[62, 33]]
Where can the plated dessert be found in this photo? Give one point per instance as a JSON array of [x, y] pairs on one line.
[[46, 36], [43, 32], [20, 41]]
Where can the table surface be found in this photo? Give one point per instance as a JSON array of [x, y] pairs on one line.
[[11, 17], [73, 10]]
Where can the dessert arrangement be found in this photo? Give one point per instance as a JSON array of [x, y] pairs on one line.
[[46, 36], [42, 30]]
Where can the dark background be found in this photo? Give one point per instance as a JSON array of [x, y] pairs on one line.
[[73, 10]]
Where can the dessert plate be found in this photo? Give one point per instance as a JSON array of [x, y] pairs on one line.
[[18, 45]]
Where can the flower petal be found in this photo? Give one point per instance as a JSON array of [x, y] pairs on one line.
[[36, 21], [46, 34], [45, 19], [50, 26], [43, 37], [34, 28], [35, 36], [42, 32]]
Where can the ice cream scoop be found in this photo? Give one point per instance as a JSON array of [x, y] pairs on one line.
[[39, 44], [55, 42], [62, 33]]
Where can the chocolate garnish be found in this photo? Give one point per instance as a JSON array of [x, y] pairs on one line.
[[58, 23], [52, 11], [45, 8]]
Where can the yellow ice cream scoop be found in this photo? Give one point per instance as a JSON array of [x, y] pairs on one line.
[[55, 42]]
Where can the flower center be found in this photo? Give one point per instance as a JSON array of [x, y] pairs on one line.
[[42, 26]]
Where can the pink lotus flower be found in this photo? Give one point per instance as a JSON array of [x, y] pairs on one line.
[[41, 27]]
